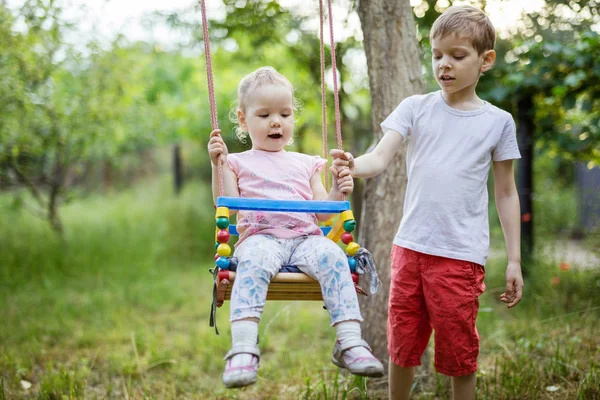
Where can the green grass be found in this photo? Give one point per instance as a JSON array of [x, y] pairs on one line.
[[120, 310]]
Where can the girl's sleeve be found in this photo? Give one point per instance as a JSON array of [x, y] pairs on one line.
[[401, 119], [317, 164], [507, 147], [234, 163]]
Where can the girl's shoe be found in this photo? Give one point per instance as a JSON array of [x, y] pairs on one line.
[[363, 366], [242, 375]]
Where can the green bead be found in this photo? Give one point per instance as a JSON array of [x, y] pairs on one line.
[[222, 222], [217, 245], [350, 225]]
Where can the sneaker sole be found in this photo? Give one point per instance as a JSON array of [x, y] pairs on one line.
[[371, 372], [239, 382]]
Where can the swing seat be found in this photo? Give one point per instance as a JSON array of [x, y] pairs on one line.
[[290, 283]]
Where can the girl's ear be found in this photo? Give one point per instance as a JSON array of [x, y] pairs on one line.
[[488, 60], [241, 119]]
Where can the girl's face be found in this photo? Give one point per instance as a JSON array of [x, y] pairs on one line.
[[269, 117]]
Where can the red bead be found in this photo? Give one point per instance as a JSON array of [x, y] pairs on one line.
[[223, 236], [217, 256], [347, 238]]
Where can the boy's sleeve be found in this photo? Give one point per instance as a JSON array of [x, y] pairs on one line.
[[401, 119], [507, 147]]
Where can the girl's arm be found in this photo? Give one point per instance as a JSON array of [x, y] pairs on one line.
[[507, 204], [342, 184], [372, 163]]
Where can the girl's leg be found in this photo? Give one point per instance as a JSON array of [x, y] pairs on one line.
[[325, 261], [259, 259]]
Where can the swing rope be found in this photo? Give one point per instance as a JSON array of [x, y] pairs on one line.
[[211, 90], [338, 128], [323, 93], [336, 97]]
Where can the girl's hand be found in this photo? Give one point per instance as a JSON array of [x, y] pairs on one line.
[[217, 149], [342, 180], [342, 160]]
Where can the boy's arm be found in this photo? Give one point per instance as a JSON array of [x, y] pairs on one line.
[[374, 162], [507, 204]]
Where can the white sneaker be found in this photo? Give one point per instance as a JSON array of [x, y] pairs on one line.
[[241, 375], [343, 357]]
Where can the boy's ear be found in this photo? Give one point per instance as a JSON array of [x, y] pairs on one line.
[[241, 119], [488, 60]]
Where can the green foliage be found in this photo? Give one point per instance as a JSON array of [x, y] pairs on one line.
[[98, 103], [64, 382], [122, 310], [564, 80], [61, 106]]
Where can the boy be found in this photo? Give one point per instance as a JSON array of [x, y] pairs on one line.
[[441, 246]]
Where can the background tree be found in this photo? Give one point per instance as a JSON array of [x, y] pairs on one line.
[[394, 63], [61, 107]]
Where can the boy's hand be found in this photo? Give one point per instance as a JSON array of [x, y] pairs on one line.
[[342, 160], [216, 148], [342, 180], [514, 285]]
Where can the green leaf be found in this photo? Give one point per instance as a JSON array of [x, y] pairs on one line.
[[574, 79]]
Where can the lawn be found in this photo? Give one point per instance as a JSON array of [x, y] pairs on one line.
[[120, 307]]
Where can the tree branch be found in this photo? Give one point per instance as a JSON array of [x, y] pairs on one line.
[[28, 182]]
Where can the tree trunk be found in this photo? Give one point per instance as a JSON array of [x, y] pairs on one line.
[[394, 64], [525, 129], [177, 169]]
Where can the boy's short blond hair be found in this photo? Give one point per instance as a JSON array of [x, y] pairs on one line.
[[466, 22]]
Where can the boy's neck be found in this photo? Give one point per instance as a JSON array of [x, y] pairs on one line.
[[464, 100]]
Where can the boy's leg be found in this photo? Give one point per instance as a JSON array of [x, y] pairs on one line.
[[408, 327], [323, 260], [463, 387], [259, 259], [452, 289], [400, 381]]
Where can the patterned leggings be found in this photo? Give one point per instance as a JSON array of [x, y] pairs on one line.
[[260, 257]]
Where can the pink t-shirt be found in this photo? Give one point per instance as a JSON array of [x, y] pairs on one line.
[[277, 176]]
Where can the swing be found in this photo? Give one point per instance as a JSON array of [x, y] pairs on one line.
[[290, 283]]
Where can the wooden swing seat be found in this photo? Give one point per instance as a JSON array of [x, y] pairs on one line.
[[283, 286]]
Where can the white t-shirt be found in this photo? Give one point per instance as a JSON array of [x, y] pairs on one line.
[[448, 161]]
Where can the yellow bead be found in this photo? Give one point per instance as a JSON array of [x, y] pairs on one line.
[[224, 250], [352, 248], [222, 212], [346, 215]]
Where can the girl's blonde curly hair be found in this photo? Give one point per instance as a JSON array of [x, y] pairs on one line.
[[260, 77]]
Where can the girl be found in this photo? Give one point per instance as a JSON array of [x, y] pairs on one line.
[[269, 240]]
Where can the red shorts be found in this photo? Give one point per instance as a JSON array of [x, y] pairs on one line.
[[434, 293]]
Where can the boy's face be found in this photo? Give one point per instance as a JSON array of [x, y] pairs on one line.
[[456, 64]]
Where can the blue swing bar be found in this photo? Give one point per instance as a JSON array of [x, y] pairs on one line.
[[310, 206]]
